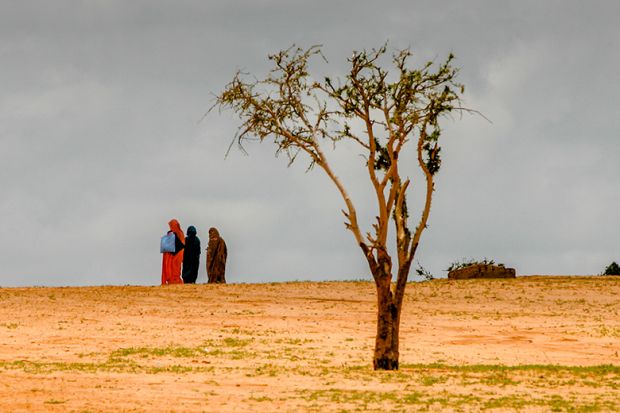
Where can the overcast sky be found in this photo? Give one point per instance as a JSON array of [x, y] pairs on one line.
[[102, 143]]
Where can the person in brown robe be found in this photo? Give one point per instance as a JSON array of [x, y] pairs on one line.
[[216, 258]]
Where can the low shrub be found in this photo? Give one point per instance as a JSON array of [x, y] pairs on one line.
[[424, 273], [612, 269], [457, 265]]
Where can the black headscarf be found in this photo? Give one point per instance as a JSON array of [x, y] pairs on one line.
[[191, 259]]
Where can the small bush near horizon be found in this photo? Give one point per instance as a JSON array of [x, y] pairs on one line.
[[464, 263], [612, 269], [424, 273]]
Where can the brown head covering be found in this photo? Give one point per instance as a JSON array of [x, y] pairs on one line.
[[216, 257], [213, 233]]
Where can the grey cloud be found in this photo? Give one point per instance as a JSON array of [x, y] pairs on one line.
[[101, 141]]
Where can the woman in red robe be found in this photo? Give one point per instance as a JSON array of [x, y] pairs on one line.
[[172, 261]]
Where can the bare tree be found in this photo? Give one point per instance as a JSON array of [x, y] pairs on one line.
[[299, 115]]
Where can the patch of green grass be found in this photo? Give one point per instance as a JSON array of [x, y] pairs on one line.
[[605, 331], [446, 399], [177, 369], [236, 342], [558, 403], [228, 347], [270, 370], [113, 364], [371, 400], [413, 397], [293, 341], [239, 331], [171, 351], [261, 399], [427, 387], [33, 367], [336, 395], [54, 401], [600, 369], [240, 355], [431, 380], [498, 379]]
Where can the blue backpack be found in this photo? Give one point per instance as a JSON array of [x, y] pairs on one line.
[[167, 243]]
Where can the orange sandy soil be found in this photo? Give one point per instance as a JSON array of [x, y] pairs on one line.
[[527, 344]]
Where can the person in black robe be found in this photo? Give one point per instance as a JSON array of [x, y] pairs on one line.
[[191, 259]]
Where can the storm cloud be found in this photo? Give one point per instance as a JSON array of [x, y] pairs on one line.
[[103, 140]]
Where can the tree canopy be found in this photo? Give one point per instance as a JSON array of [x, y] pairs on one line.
[[380, 110]]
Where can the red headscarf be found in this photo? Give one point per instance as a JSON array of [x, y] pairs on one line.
[[176, 228]]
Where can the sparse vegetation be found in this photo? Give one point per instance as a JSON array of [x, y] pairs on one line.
[[503, 383], [612, 269], [464, 263], [424, 273], [303, 353], [448, 387], [53, 401]]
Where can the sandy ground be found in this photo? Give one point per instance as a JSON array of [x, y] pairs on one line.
[[308, 347]]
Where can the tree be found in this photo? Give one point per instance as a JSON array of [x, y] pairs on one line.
[[299, 115], [612, 269]]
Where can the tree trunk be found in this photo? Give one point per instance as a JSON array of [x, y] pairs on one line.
[[388, 319]]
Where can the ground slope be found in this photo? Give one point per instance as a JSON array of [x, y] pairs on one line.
[[527, 344]]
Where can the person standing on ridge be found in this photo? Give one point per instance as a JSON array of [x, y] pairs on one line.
[[191, 256], [172, 261], [216, 258]]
